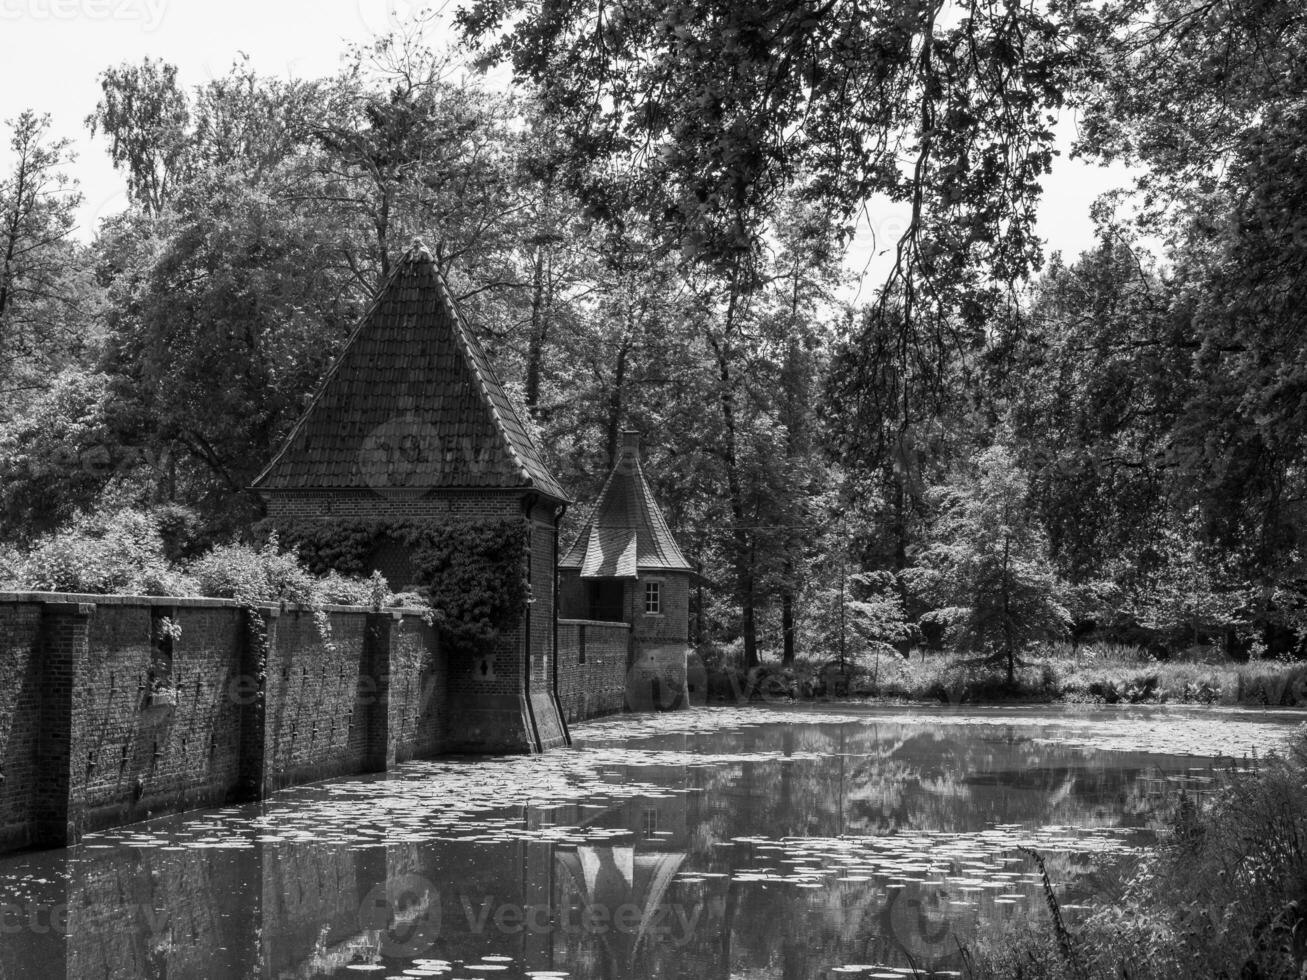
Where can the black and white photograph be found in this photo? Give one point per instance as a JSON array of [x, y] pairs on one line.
[[653, 489]]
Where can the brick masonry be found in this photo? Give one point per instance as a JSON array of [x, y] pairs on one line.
[[596, 685], [655, 670], [89, 738], [20, 719], [87, 742], [670, 626], [501, 699]]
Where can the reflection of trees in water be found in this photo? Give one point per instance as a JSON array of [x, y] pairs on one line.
[[780, 930], [292, 910], [881, 778]]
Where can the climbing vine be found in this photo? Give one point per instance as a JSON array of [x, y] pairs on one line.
[[471, 572], [256, 637]]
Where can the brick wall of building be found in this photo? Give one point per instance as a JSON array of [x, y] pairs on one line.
[[133, 755], [63, 646], [499, 701], [86, 740], [418, 722], [20, 714], [672, 624], [595, 685], [320, 691], [487, 688]]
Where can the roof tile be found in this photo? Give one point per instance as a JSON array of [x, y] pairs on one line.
[[412, 402], [627, 530]]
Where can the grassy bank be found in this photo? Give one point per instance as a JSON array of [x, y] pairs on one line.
[[1109, 674], [1105, 678], [1224, 895]]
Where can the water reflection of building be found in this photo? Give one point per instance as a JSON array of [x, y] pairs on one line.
[[626, 567], [281, 910], [616, 894]]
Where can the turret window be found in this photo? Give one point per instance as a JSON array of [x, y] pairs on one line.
[[653, 598]]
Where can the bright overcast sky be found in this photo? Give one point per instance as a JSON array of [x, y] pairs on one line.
[[54, 50]]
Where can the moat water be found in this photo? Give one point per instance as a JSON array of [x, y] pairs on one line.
[[767, 842]]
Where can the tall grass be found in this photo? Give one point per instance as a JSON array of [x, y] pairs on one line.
[[1107, 673], [1224, 895]]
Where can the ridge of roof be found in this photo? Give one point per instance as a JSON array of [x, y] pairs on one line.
[[497, 450], [518, 440]]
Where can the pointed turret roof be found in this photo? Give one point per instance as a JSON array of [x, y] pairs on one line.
[[410, 405], [627, 531]]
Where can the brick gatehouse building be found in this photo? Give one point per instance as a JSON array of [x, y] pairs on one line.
[[626, 567], [412, 425]]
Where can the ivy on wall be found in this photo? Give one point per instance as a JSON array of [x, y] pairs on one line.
[[471, 572]]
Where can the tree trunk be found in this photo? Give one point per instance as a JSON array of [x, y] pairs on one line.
[[748, 616], [700, 632], [744, 576], [14, 221], [787, 615], [1007, 613], [793, 401], [616, 396], [745, 582], [900, 532], [382, 225], [539, 334]]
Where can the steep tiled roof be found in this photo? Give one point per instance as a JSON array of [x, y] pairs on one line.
[[627, 530], [411, 404]]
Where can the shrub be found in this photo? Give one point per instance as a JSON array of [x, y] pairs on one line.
[[11, 565], [182, 531], [116, 552], [1226, 893], [357, 591], [352, 590], [127, 552], [266, 574]]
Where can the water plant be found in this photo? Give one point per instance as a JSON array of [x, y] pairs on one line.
[[1224, 895]]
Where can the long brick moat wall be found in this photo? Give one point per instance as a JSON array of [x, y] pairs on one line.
[[115, 709], [593, 662]]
